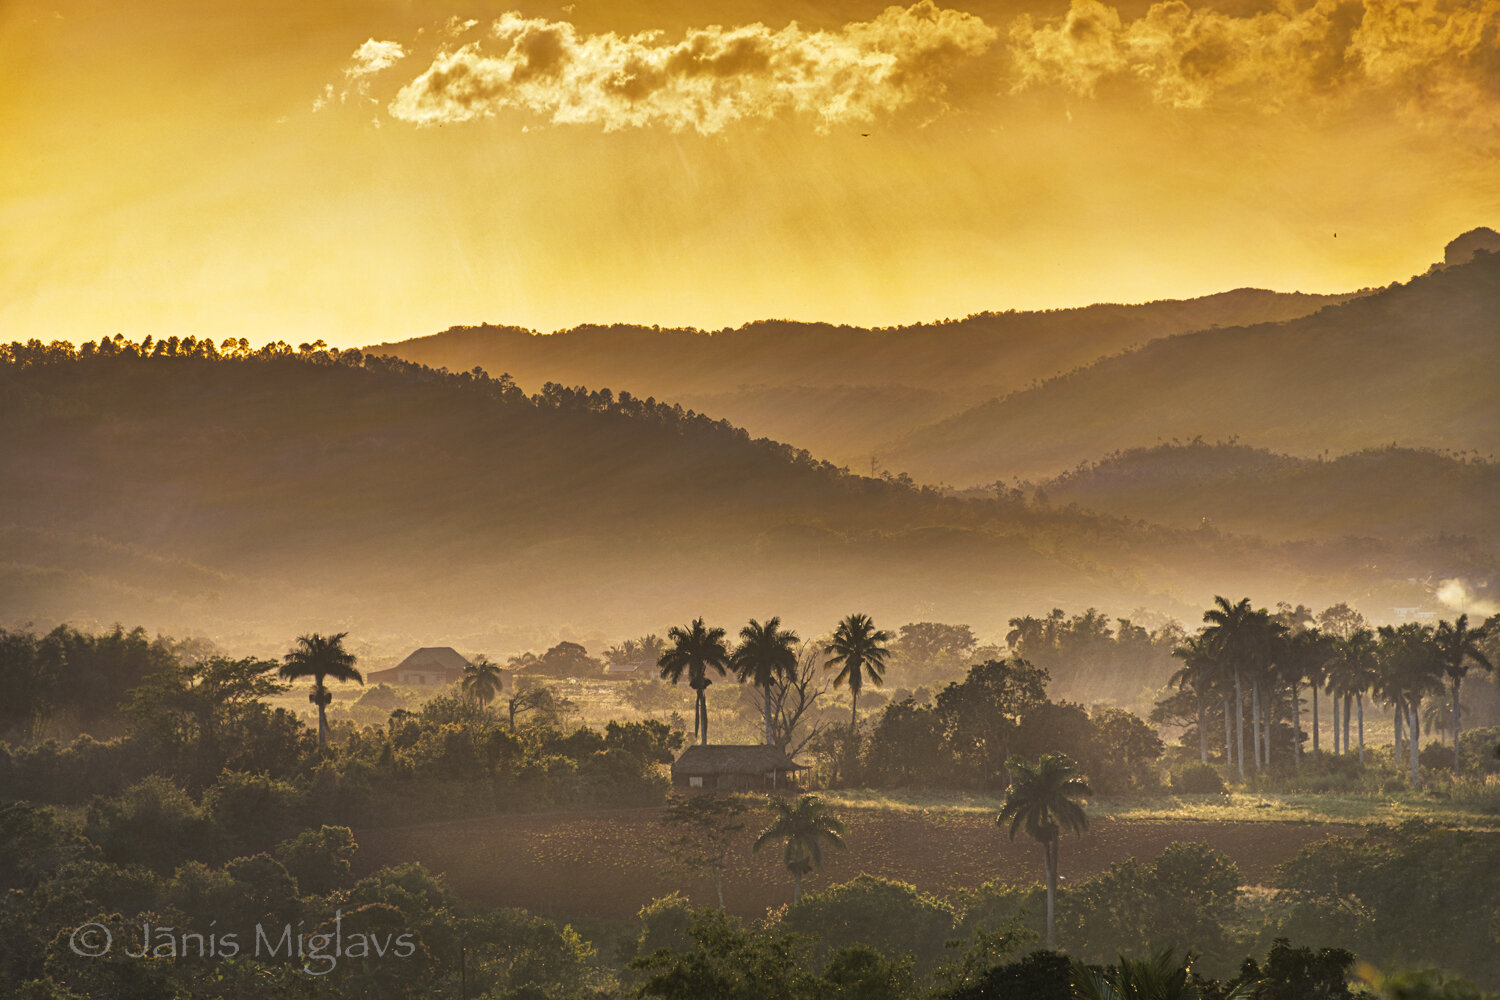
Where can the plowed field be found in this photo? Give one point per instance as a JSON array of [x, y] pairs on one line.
[[604, 864]]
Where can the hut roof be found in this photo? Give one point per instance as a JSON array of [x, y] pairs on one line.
[[444, 657], [723, 759]]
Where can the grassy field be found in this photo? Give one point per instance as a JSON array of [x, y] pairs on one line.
[[1470, 807]]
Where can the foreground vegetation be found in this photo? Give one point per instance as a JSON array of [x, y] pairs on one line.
[[205, 806]]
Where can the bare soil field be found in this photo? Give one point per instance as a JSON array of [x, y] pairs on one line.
[[604, 864]]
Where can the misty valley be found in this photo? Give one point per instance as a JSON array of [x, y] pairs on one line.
[[1136, 651]]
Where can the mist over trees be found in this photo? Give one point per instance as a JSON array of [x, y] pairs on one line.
[[307, 485], [213, 804]]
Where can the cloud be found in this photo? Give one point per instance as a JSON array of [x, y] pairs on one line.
[[706, 80], [367, 60], [1431, 59], [372, 57], [1457, 595]]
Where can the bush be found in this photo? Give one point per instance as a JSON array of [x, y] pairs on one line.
[[861, 971], [1437, 757], [252, 812], [1198, 779], [1042, 975], [891, 917], [664, 925], [1479, 751], [1186, 896], [152, 823], [1329, 773], [319, 859], [34, 844]]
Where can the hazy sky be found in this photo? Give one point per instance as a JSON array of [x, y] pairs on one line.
[[361, 171]]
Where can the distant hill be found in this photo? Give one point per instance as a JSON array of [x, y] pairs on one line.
[[1386, 493], [839, 391], [272, 494], [1414, 365]]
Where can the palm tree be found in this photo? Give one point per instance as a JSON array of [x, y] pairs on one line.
[[1242, 636], [1157, 977], [856, 647], [1041, 798], [483, 681], [1456, 646], [766, 654], [1197, 673], [803, 828], [694, 650], [1409, 670], [1294, 649], [320, 658], [1358, 671]]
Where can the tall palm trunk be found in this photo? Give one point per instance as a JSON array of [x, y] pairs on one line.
[[1239, 724], [1228, 737], [1348, 704], [1296, 725], [1359, 700], [854, 714], [1270, 720], [1049, 849], [320, 695], [1333, 707], [1255, 720], [1415, 733], [1317, 752], [1202, 736], [1456, 682], [702, 718], [770, 739], [796, 887], [1396, 739]]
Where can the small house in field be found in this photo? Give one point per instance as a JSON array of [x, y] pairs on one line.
[[734, 768], [430, 666], [629, 671]]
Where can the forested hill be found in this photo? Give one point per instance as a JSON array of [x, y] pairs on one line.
[[1381, 493], [839, 391], [1413, 364], [272, 491]]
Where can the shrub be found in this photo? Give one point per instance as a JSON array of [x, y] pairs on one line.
[[664, 925], [1479, 751], [891, 917], [1042, 975], [34, 844], [1329, 773], [1198, 779], [319, 859], [861, 971], [252, 812], [1436, 756], [152, 823]]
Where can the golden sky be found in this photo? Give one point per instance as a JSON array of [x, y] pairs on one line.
[[373, 170]]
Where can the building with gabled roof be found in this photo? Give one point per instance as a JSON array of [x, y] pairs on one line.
[[734, 768], [430, 666]]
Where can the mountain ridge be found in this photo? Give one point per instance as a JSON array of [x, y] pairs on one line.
[[840, 391], [329, 490], [1408, 364]]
